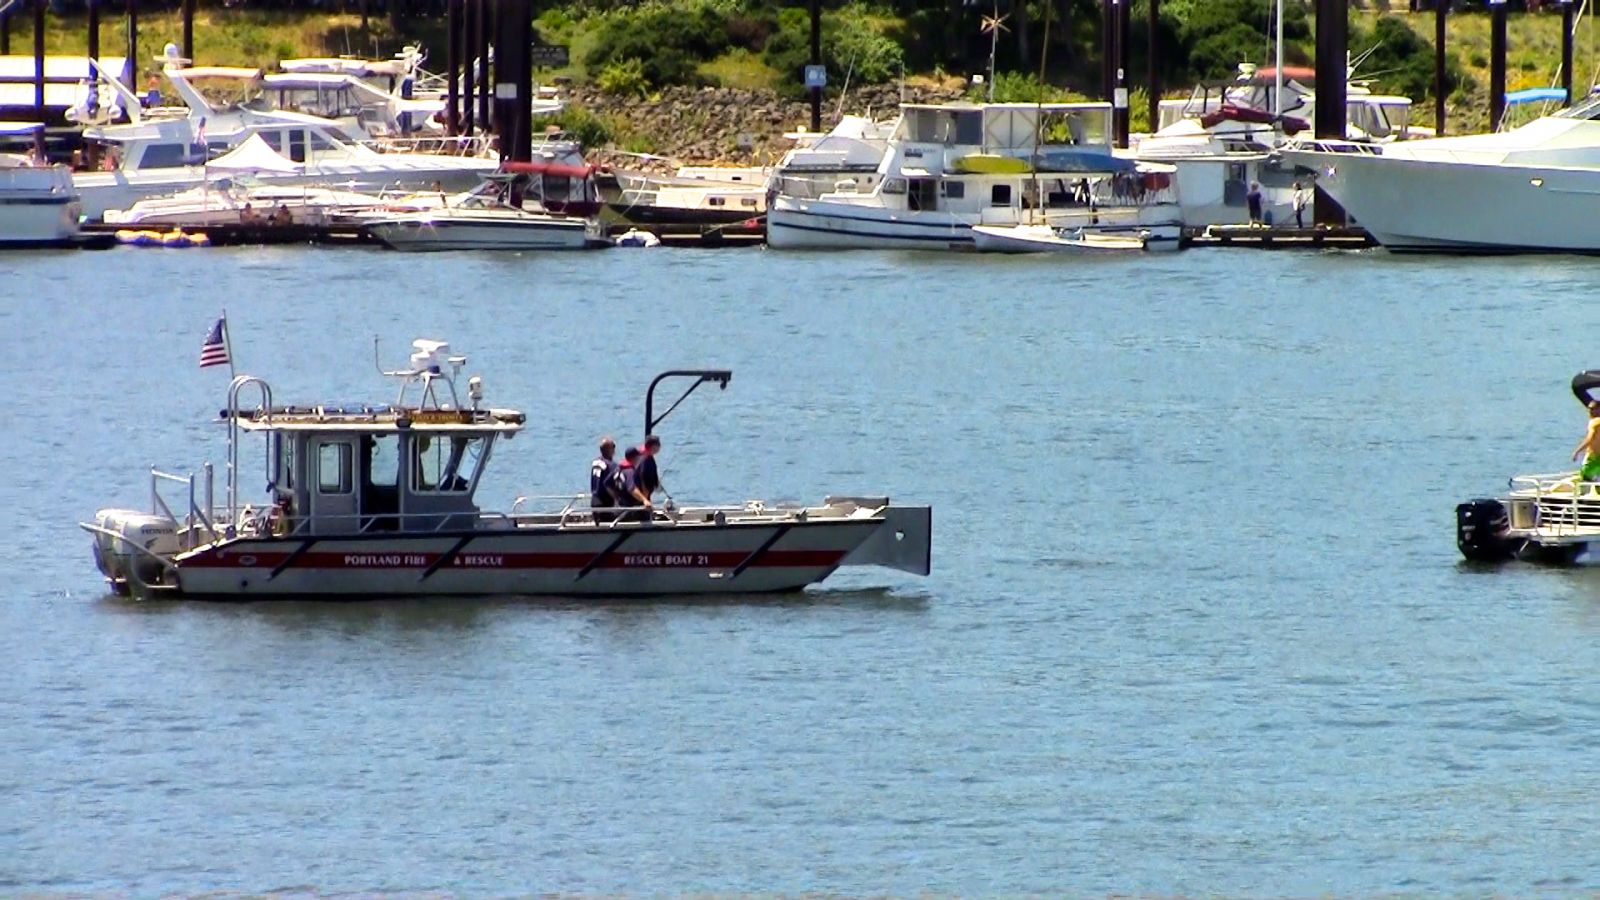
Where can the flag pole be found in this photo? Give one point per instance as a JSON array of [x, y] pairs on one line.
[[227, 345]]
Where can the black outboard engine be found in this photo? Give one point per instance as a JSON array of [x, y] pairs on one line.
[[1481, 527]]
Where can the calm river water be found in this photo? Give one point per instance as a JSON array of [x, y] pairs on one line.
[[1197, 623]]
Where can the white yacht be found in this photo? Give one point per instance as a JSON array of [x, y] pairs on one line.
[[1532, 189], [949, 167], [38, 207], [1223, 139], [167, 155]]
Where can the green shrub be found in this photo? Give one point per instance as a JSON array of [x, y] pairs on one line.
[[624, 79], [669, 40], [580, 124]]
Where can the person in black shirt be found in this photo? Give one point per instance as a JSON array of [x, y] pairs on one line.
[[647, 475], [627, 488], [602, 477]]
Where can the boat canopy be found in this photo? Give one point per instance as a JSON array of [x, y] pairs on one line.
[[539, 167], [1085, 161], [254, 155], [1584, 385]]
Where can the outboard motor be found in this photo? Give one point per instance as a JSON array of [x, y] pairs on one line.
[[1481, 527]]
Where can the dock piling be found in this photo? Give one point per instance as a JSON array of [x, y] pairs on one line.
[[1497, 63], [1441, 10], [1568, 14], [38, 59], [1154, 75], [452, 64]]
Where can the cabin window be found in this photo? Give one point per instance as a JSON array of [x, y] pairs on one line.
[[748, 201], [320, 143], [445, 464], [716, 201], [894, 185], [273, 139], [1000, 195], [954, 190], [165, 156], [297, 145], [333, 469], [924, 194]]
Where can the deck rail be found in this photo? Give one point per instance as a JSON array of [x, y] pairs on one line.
[[1562, 506]]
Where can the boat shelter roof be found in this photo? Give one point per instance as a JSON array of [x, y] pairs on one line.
[[382, 419]]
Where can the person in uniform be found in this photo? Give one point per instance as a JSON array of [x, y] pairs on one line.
[[602, 478], [627, 489], [648, 476]]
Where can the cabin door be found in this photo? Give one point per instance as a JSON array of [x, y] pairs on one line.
[[332, 483]]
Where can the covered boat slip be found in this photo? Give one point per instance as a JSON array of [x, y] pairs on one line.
[[379, 500]]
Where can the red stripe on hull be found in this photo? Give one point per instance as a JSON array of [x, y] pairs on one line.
[[236, 559]]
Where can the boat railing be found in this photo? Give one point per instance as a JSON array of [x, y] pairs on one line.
[[1563, 504], [197, 520], [440, 145]]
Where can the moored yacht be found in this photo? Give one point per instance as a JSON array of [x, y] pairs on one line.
[[495, 216], [381, 501], [1531, 189], [949, 167], [38, 206], [166, 155]]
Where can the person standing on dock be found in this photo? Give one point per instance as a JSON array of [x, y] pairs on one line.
[[1253, 201], [1300, 201], [1589, 447]]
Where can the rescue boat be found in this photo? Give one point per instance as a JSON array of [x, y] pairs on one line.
[[1549, 518], [380, 501]]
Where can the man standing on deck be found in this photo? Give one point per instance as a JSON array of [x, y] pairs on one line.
[[1589, 447], [602, 475], [646, 474], [1300, 200], [1253, 203], [627, 489]]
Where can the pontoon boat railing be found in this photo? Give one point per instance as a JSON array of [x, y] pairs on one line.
[[1563, 504]]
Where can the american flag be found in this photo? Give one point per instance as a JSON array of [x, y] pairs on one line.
[[214, 352]]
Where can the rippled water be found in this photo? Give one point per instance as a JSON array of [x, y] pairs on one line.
[[1197, 623]]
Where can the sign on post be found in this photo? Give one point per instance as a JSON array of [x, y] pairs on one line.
[[548, 56], [816, 76]]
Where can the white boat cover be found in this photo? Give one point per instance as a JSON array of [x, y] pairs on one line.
[[253, 155]]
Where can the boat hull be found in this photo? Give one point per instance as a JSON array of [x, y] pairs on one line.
[[423, 234], [821, 224], [1434, 206], [1043, 239], [38, 207], [622, 560]]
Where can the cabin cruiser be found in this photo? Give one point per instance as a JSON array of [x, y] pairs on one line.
[[1531, 189], [381, 500], [1550, 518], [692, 195], [498, 215], [167, 155], [847, 157], [38, 206], [949, 167], [1224, 138]]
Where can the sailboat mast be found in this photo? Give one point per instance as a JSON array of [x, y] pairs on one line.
[[1277, 92]]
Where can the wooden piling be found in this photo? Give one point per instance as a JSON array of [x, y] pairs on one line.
[[1153, 79], [452, 64], [1441, 11], [1568, 15], [1497, 63]]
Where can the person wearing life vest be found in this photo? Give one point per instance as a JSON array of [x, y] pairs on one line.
[[629, 495], [648, 476], [602, 478]]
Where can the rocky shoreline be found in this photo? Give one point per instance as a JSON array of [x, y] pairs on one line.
[[730, 125]]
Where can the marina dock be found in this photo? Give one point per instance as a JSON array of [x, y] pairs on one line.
[[1280, 238]]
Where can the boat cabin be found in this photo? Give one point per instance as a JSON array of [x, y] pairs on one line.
[[405, 467]]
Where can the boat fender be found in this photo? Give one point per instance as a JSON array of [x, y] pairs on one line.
[[247, 520], [1481, 531]]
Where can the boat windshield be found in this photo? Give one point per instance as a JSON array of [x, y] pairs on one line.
[[1588, 109]]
